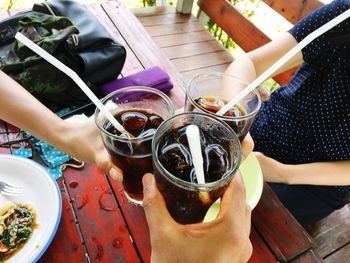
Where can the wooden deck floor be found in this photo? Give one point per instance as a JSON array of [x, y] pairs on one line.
[[184, 40], [192, 49]]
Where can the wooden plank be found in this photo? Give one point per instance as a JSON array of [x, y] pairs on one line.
[[308, 257], [67, 245], [184, 6], [132, 64], [3, 14], [261, 253], [293, 10], [103, 230], [280, 230], [239, 28], [158, 10], [202, 61], [136, 221], [144, 47], [171, 29], [164, 19], [192, 49], [188, 75], [332, 232], [236, 25], [180, 39], [342, 255]]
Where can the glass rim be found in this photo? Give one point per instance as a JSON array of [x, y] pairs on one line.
[[132, 88], [195, 186], [222, 117]]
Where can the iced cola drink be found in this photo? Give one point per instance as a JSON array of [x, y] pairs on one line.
[[214, 104], [186, 199], [141, 124], [210, 92], [140, 111]]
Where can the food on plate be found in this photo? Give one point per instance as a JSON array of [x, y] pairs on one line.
[[17, 222]]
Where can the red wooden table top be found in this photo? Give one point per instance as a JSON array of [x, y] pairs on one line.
[[99, 225]]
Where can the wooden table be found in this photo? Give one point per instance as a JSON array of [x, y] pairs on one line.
[[99, 225]]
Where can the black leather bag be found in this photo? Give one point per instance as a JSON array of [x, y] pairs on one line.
[[80, 42], [100, 57]]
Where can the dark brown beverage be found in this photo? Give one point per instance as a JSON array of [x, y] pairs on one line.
[[189, 204], [214, 104], [133, 156]]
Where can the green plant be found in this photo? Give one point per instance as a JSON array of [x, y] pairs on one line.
[[149, 3], [10, 5]]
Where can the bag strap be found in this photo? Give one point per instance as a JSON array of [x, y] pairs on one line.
[[49, 8], [74, 37]]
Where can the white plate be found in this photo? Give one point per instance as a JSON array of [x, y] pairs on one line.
[[43, 193], [253, 181]]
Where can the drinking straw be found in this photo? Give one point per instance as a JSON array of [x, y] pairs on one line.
[[193, 138], [332, 23], [74, 76]]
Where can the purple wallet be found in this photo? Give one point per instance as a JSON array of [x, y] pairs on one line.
[[153, 77]]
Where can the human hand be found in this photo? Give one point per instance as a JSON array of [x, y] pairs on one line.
[[84, 142], [225, 239], [272, 169], [264, 93], [247, 146]]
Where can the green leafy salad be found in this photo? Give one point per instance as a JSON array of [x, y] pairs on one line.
[[16, 226]]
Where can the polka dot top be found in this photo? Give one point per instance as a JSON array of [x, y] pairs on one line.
[[308, 120]]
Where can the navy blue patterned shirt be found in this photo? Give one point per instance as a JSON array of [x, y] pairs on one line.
[[308, 120]]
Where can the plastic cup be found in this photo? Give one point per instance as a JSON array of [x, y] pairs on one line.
[[188, 201], [213, 86], [133, 155]]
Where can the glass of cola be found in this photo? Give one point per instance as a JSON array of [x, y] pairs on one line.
[[186, 199], [140, 110]]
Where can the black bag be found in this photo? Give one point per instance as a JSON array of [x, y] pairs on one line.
[[79, 42], [101, 57]]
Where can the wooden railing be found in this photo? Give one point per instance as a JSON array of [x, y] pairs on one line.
[[242, 31]]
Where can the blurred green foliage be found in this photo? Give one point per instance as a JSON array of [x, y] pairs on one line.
[[146, 3]]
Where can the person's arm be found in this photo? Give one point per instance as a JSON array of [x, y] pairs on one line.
[[318, 173], [254, 63], [251, 65], [81, 140]]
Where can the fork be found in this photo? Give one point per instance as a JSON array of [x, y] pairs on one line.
[[10, 189]]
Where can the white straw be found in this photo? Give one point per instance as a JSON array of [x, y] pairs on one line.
[[194, 142], [74, 76], [291, 53]]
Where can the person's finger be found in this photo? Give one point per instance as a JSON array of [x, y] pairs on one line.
[[259, 155], [247, 145], [234, 202], [116, 174], [104, 163], [248, 251], [157, 215], [248, 217], [264, 93]]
